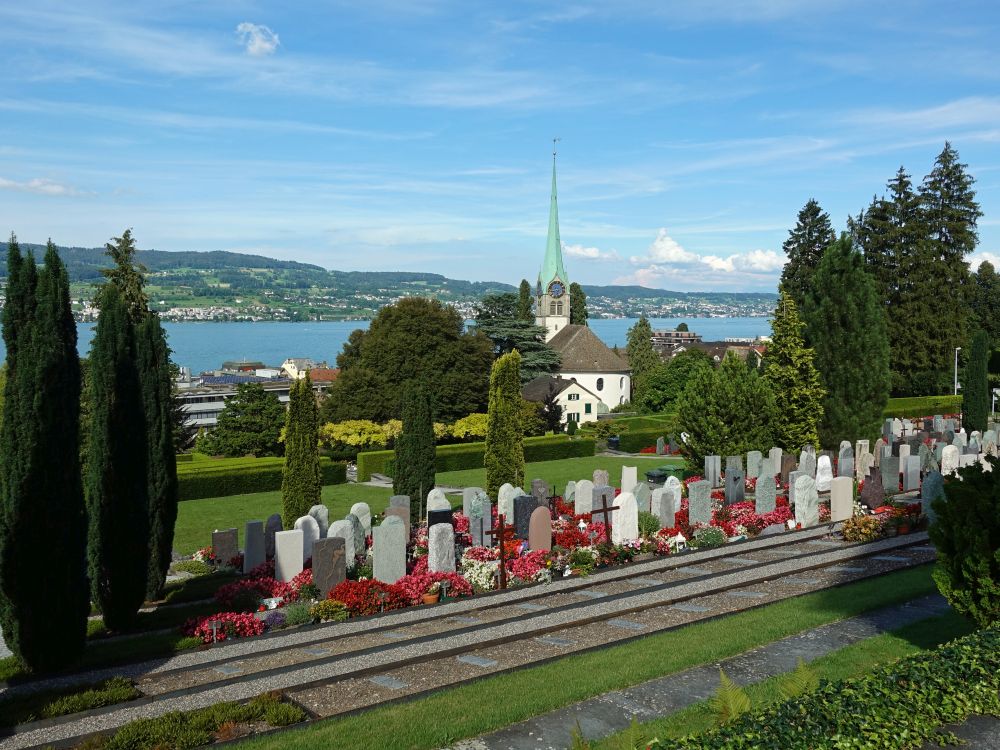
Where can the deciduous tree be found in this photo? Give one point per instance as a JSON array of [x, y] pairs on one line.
[[249, 425]]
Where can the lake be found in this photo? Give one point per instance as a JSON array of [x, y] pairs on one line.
[[205, 346]]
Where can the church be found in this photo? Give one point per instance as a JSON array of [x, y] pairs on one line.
[[592, 379]]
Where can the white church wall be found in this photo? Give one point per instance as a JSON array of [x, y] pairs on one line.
[[613, 389]]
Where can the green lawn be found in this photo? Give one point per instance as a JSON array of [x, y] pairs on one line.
[[561, 471], [444, 717]]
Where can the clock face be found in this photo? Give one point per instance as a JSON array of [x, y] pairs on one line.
[[556, 289]]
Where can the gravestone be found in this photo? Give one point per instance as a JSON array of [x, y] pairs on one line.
[[441, 516], [389, 550], [787, 467], [845, 460], [400, 501], [879, 452], [403, 514], [903, 453], [735, 484], [322, 515], [540, 530], [583, 499], [360, 543], [841, 499], [866, 462], [806, 502], [602, 495], [480, 520], [287, 554], [949, 460], [441, 548], [713, 469], [932, 489], [271, 527], [754, 461], [938, 423], [630, 477], [225, 545], [824, 474], [642, 496], [524, 506], [364, 514], [792, 479], [505, 500], [924, 454], [911, 473], [661, 446], [973, 447], [862, 446], [330, 565], [570, 491], [700, 503], [310, 533], [776, 454], [897, 427], [767, 469], [807, 463], [601, 478], [674, 490], [469, 494], [625, 523], [765, 497], [872, 492], [437, 500], [345, 531], [734, 462], [661, 505], [960, 440], [540, 491], [890, 473], [253, 545]]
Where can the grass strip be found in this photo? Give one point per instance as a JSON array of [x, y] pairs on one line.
[[845, 663], [159, 619], [50, 703], [444, 717]]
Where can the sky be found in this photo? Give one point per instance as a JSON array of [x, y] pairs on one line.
[[407, 135]]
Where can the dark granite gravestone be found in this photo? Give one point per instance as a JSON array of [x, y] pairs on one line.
[[787, 466], [931, 489], [540, 491], [890, 473], [329, 564], [524, 506], [735, 485], [440, 516], [872, 494]]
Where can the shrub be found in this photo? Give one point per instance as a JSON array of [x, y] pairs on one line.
[[709, 536], [634, 441], [239, 476], [863, 528], [297, 614], [328, 610], [965, 531], [648, 524]]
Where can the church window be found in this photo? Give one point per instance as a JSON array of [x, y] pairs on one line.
[[621, 383], [559, 308], [552, 308], [600, 384]]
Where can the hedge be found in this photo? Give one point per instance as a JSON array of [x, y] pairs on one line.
[[241, 476], [900, 705], [184, 458], [633, 441], [460, 456], [923, 406]]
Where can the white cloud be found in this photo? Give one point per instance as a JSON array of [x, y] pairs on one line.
[[665, 249], [984, 255], [39, 186], [589, 253], [258, 40]]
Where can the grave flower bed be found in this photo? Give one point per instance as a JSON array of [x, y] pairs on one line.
[[228, 625], [247, 592], [369, 597], [415, 586]]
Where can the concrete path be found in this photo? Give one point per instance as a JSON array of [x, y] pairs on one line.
[[978, 732], [606, 714]]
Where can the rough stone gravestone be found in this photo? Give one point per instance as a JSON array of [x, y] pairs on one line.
[[765, 497], [824, 474], [287, 554], [625, 523], [469, 494], [602, 496], [845, 460], [310, 533], [523, 508], [700, 503], [364, 514], [480, 520], [661, 446], [787, 467], [403, 514], [807, 463], [973, 447], [862, 446], [441, 548], [879, 451], [767, 469], [890, 473], [841, 499], [505, 500], [734, 462], [389, 550], [642, 496], [360, 541], [713, 469], [924, 454], [630, 477], [345, 531], [271, 527], [866, 462], [540, 529], [673, 486], [225, 545], [583, 498], [662, 506], [330, 565], [806, 502], [322, 515], [932, 489], [911, 473], [437, 500], [601, 478], [938, 423], [897, 427], [569, 492], [960, 440], [872, 493], [949, 460], [792, 479], [754, 461], [776, 454], [735, 485], [903, 453], [253, 545]]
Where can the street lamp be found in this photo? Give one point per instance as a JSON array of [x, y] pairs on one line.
[[957, 350]]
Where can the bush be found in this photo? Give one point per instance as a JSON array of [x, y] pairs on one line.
[[965, 531], [862, 529], [471, 455], [634, 441], [900, 705], [328, 610], [184, 458], [648, 524], [297, 614], [239, 476], [922, 406], [709, 536]]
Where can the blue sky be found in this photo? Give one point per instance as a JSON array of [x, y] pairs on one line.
[[407, 135]]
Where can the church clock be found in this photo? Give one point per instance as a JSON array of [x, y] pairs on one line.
[[556, 289]]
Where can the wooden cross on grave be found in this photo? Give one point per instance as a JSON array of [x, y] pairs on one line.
[[502, 533], [605, 511]]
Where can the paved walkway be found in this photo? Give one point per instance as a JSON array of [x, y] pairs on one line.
[[606, 714]]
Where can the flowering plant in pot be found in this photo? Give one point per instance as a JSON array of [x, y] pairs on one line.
[[433, 593]]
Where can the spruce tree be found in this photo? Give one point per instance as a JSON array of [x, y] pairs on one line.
[[153, 359], [846, 322], [804, 247], [975, 386], [642, 357], [986, 300], [301, 484], [127, 274], [577, 305], [413, 472], [43, 608], [524, 302], [791, 375], [504, 457], [116, 482]]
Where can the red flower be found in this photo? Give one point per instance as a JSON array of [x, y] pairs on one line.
[[228, 625], [363, 597], [415, 586]]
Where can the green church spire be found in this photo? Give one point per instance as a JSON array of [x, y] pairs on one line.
[[552, 266]]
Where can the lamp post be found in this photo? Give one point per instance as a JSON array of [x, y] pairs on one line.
[[957, 350]]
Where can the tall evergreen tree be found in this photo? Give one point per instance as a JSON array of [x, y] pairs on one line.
[[975, 387], [504, 457], [986, 300], [413, 473], [791, 375], [642, 357], [301, 484], [845, 320], [116, 480], [804, 247], [577, 305], [128, 275], [496, 317], [525, 302], [43, 608]]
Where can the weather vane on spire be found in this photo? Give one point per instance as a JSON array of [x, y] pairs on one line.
[[554, 142]]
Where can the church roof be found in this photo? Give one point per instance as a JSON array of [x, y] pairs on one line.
[[552, 266], [580, 350]]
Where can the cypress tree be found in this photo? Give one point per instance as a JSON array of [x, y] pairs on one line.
[[975, 386], [413, 473], [157, 401], [116, 481], [301, 485], [804, 247], [577, 305], [504, 457], [986, 300], [789, 371], [524, 302], [846, 322], [642, 357]]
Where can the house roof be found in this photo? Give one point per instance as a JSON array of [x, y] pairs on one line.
[[580, 350], [538, 389], [324, 374]]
